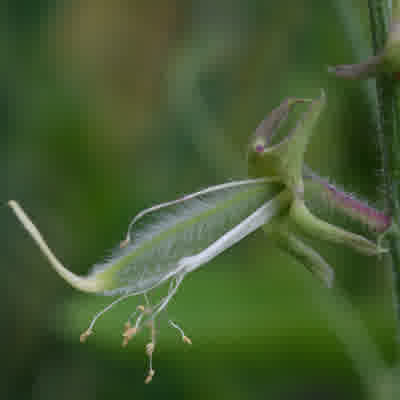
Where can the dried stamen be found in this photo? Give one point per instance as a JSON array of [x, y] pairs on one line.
[[85, 335], [180, 330], [89, 331], [128, 335], [150, 350], [149, 376]]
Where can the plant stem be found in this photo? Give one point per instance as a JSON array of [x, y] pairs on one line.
[[351, 19], [347, 325], [388, 139]]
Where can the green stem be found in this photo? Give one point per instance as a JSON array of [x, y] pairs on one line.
[[378, 10], [388, 139], [347, 325], [361, 48]]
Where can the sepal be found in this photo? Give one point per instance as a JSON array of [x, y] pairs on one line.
[[319, 229], [284, 160]]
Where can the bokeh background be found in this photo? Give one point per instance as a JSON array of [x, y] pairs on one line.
[[111, 106]]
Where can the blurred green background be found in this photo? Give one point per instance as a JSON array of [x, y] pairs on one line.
[[111, 106]]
